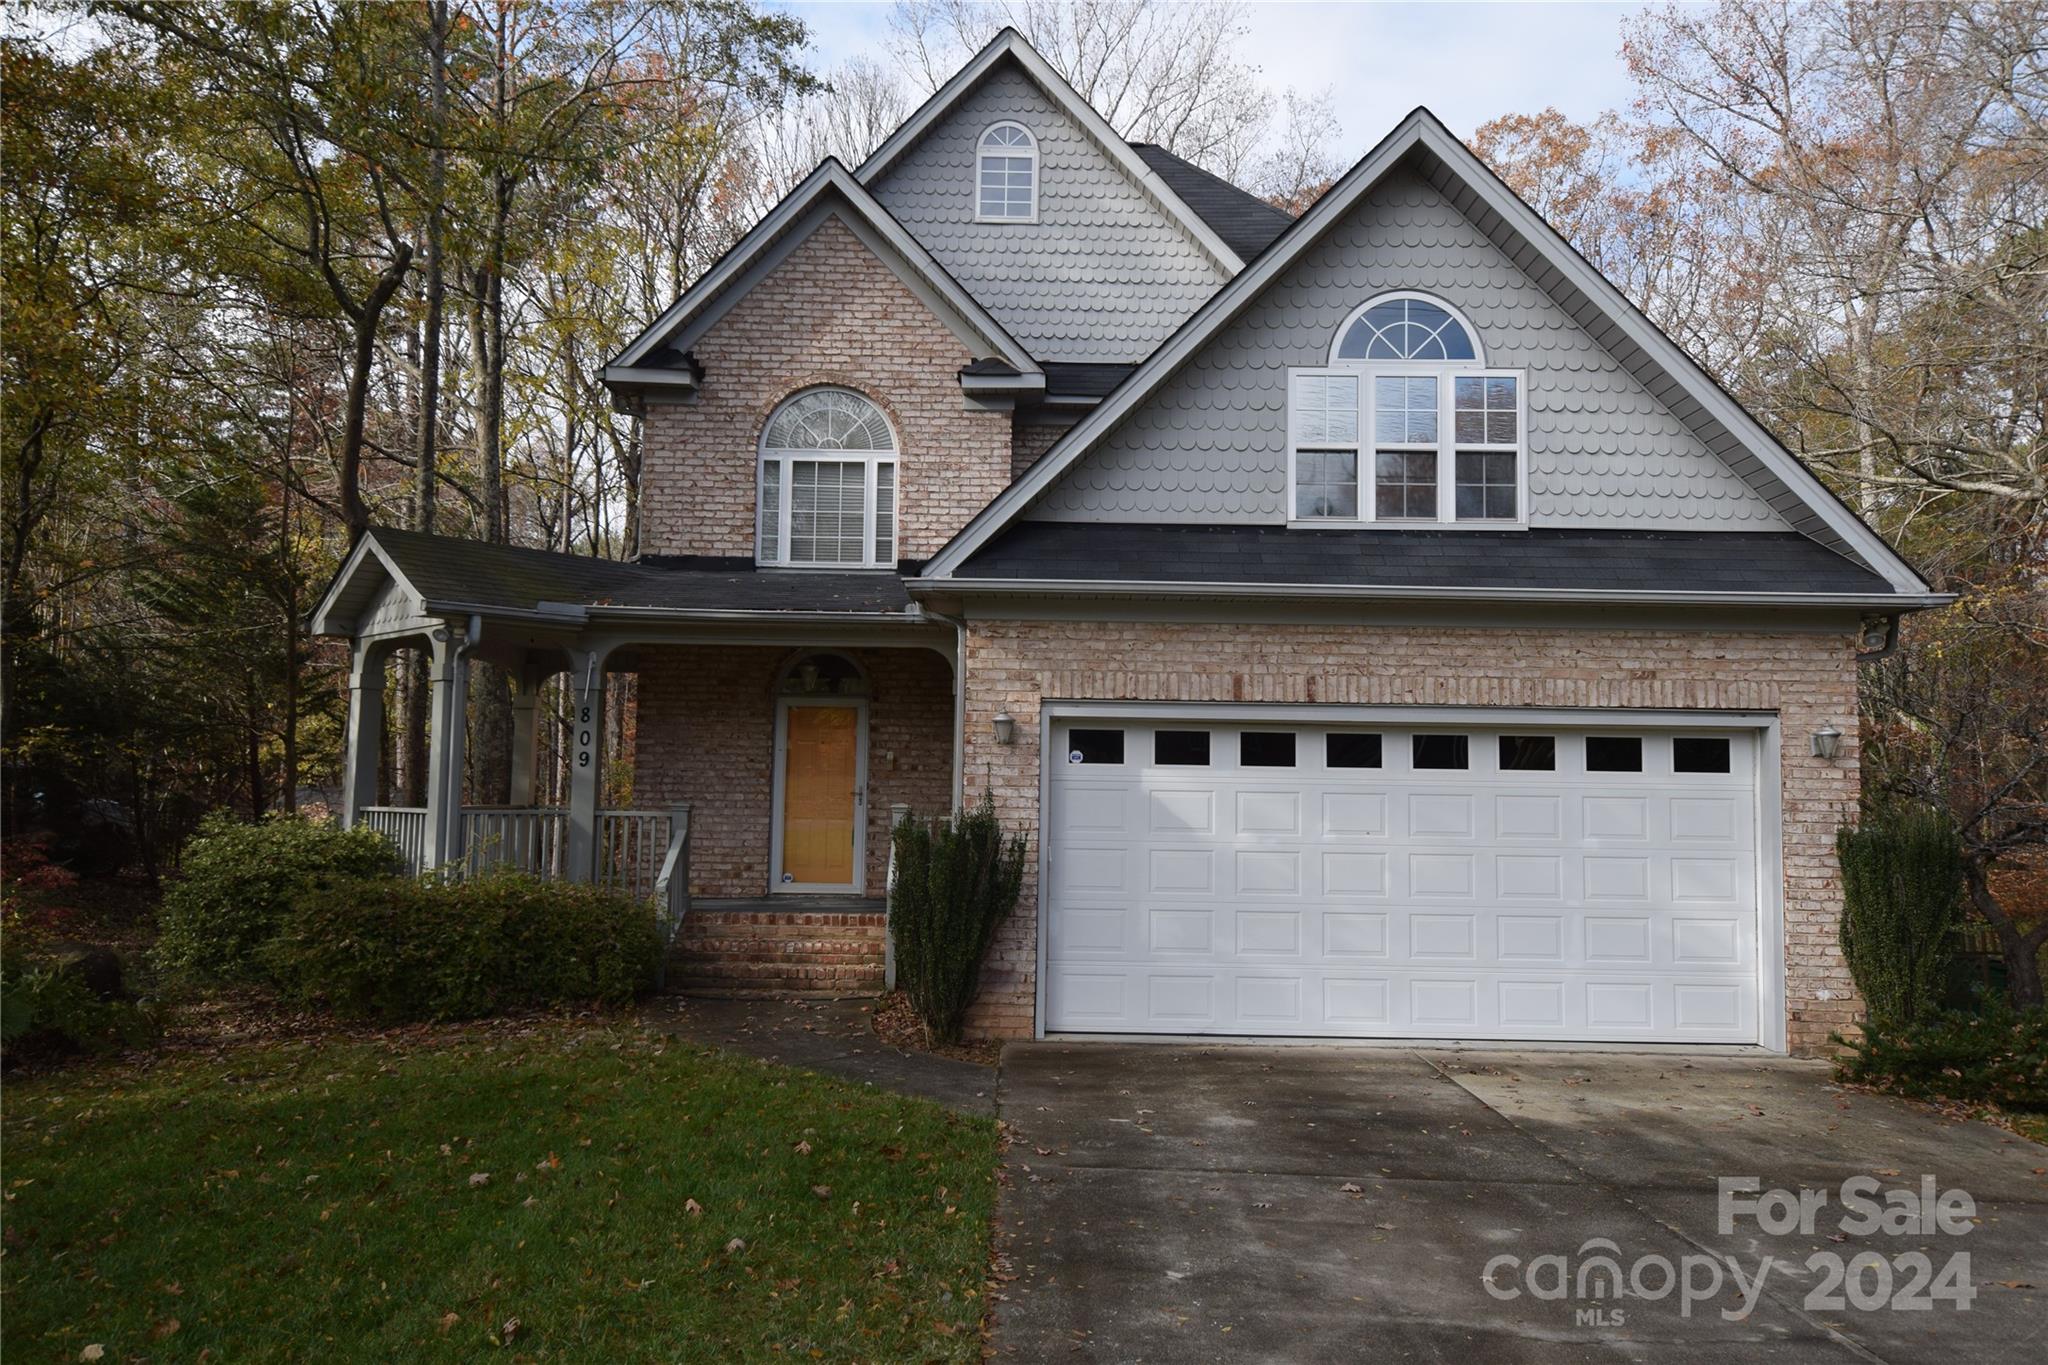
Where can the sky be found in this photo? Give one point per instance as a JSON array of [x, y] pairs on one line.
[[1467, 62]]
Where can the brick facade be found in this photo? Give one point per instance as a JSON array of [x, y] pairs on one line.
[[1034, 436], [830, 313], [706, 735], [1808, 679]]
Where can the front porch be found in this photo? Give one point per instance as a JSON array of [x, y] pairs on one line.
[[742, 768]]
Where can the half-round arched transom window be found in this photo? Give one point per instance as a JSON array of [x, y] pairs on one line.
[[828, 483], [1006, 175], [1405, 327], [1406, 424]]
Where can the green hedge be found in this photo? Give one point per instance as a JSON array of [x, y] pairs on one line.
[[1998, 1056], [239, 882], [395, 948]]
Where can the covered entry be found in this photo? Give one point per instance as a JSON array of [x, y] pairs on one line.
[[1482, 876]]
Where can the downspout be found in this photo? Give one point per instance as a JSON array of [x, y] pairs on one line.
[[959, 700]]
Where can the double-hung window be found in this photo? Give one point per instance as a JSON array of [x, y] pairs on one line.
[[1406, 425], [828, 484]]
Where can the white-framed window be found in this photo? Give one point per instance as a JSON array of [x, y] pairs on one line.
[[1006, 175], [827, 484], [1407, 425]]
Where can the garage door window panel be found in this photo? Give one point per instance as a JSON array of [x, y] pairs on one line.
[[1442, 753], [1098, 747], [1351, 749], [1266, 749], [1180, 748], [1614, 754]]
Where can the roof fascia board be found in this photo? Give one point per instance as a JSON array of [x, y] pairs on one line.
[[1421, 128], [1012, 44], [1209, 319], [1669, 356], [1082, 587], [771, 240]]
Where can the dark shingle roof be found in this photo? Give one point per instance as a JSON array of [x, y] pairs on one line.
[[445, 569], [1646, 561], [1246, 223], [1082, 379]]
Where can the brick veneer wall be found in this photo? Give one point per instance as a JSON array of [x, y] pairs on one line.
[[706, 735], [1809, 679], [1032, 438], [830, 313]]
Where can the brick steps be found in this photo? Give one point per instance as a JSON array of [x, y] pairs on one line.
[[772, 953]]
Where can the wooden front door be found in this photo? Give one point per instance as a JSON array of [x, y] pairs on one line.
[[821, 797]]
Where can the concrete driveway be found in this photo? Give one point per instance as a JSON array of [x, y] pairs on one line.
[[1178, 1203]]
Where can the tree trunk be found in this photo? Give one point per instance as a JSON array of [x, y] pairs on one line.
[[2021, 950], [354, 511]]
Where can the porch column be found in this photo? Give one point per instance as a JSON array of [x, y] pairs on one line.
[[525, 695], [365, 741], [586, 760], [447, 714]]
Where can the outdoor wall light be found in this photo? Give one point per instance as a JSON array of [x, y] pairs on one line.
[[1005, 727], [1827, 742]]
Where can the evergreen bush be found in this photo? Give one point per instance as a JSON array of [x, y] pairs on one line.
[[1902, 888], [396, 948], [1993, 1056], [239, 881], [957, 878]]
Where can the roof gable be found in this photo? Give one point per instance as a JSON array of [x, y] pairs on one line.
[[1428, 149], [1010, 47], [1211, 442], [829, 191]]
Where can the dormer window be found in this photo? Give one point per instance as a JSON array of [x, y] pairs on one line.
[[1006, 175], [828, 484], [1406, 425]]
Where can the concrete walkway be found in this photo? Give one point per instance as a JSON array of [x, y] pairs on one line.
[[1178, 1203], [833, 1036]]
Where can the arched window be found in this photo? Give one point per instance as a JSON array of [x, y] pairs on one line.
[[811, 675], [828, 483], [1406, 424], [1006, 175]]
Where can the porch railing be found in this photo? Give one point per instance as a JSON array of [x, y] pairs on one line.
[[631, 845], [406, 828], [644, 854], [672, 887], [530, 839]]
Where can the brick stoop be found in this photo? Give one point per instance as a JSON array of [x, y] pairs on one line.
[[779, 953]]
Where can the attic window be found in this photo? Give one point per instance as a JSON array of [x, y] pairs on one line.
[[1406, 425], [1006, 175]]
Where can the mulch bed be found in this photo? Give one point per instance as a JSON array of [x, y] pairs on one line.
[[896, 1024]]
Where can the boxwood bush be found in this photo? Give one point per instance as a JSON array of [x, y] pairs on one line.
[[397, 948], [239, 882]]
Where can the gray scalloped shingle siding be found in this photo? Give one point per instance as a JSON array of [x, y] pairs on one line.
[[1104, 275], [1211, 444]]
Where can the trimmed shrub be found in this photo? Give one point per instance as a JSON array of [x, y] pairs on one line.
[[1902, 888], [395, 948], [240, 881], [957, 878], [1999, 1056]]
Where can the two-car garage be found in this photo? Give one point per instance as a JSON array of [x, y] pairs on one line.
[[1488, 876]]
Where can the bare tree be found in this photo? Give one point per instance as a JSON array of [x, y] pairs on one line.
[[1306, 161], [854, 112], [1158, 71], [1896, 148]]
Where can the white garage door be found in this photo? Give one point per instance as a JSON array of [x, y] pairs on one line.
[[1466, 882]]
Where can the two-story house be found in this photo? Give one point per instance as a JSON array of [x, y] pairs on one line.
[[1377, 626]]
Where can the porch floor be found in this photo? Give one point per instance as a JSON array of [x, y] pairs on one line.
[[790, 905]]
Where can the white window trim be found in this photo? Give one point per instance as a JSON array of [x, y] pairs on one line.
[[1446, 447], [1478, 360], [871, 460], [982, 153]]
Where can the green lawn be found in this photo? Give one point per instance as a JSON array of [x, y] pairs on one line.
[[327, 1200]]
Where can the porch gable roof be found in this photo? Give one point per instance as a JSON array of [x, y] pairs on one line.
[[446, 576]]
